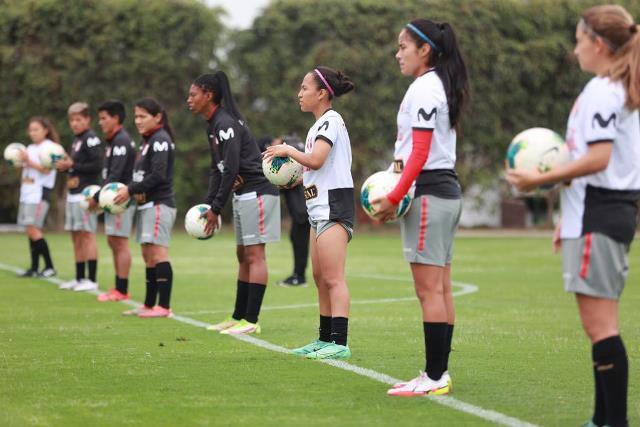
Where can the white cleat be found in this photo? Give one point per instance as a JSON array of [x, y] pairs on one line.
[[68, 286], [85, 285], [422, 385]]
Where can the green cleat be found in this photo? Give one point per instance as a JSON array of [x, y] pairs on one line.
[[331, 351], [310, 348]]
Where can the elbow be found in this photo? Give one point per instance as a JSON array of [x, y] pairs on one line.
[[315, 165]]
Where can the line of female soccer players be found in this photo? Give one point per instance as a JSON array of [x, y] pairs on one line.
[[599, 202]]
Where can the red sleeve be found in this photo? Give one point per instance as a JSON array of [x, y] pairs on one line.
[[417, 159]]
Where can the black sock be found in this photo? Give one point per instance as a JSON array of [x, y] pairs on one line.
[[93, 269], [122, 285], [43, 248], [612, 368], [164, 279], [599, 410], [242, 297], [79, 271], [152, 287], [325, 328], [448, 347], [339, 328], [254, 302], [435, 337], [33, 250]]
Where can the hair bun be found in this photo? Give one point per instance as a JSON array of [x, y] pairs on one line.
[[633, 28]]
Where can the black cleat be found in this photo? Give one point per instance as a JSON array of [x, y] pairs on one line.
[[293, 281], [29, 273]]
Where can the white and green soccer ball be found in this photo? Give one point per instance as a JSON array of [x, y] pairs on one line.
[[537, 148], [88, 192], [50, 154], [107, 194], [378, 185], [282, 171], [195, 222], [13, 154]]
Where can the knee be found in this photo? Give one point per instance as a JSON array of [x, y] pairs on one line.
[[333, 283], [252, 258]]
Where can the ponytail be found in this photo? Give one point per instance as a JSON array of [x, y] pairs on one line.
[[154, 108], [335, 82], [218, 84], [615, 26], [447, 60]]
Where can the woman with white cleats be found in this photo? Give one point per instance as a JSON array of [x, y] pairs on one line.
[[425, 153], [330, 204], [599, 205]]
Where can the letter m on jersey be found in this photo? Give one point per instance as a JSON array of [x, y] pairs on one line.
[[602, 122], [119, 151], [225, 135], [161, 146], [423, 115]]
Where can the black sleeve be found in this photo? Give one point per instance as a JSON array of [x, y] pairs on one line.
[[93, 164], [229, 135], [159, 169], [118, 163], [214, 180]]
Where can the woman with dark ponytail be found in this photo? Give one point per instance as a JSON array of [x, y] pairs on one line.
[[599, 204], [330, 204], [425, 153], [152, 189], [236, 167]]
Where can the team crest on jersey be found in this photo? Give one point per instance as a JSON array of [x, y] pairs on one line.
[[160, 146], [324, 125], [426, 116], [119, 151], [221, 166], [138, 176], [602, 122], [93, 141], [226, 135]]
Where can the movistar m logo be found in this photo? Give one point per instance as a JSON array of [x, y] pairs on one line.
[[93, 141], [324, 125], [424, 116], [119, 151], [602, 122], [161, 146], [225, 135]]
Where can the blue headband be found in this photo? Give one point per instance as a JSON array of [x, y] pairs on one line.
[[423, 36]]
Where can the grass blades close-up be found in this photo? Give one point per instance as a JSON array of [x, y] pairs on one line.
[[518, 349]]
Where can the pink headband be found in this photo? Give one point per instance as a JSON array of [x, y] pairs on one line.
[[324, 81]]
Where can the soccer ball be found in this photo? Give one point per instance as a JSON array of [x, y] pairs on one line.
[[537, 148], [107, 194], [88, 192], [195, 223], [50, 154], [282, 171], [380, 184], [13, 153]]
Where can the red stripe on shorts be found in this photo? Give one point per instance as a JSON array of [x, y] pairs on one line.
[[118, 222], [423, 224], [156, 227], [85, 218], [586, 256], [261, 215], [38, 210]]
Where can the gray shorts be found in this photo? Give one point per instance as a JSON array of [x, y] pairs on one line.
[[321, 226], [33, 213], [77, 219], [154, 224], [594, 265], [428, 229], [119, 225], [256, 219]]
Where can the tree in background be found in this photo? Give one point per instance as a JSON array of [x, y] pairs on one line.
[[53, 53]]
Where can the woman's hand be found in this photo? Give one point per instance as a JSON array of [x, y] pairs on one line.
[[122, 196], [524, 180], [64, 164], [386, 210], [212, 221], [281, 150]]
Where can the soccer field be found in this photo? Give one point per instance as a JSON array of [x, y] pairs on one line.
[[519, 355]]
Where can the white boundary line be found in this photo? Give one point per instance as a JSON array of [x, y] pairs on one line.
[[448, 401], [466, 288]]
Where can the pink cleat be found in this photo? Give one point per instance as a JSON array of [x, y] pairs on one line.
[[113, 295], [156, 311], [136, 311]]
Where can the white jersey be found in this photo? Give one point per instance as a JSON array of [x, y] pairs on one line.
[[425, 106], [329, 190], [33, 181], [605, 201]]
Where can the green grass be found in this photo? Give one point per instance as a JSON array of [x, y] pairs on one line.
[[518, 349]]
